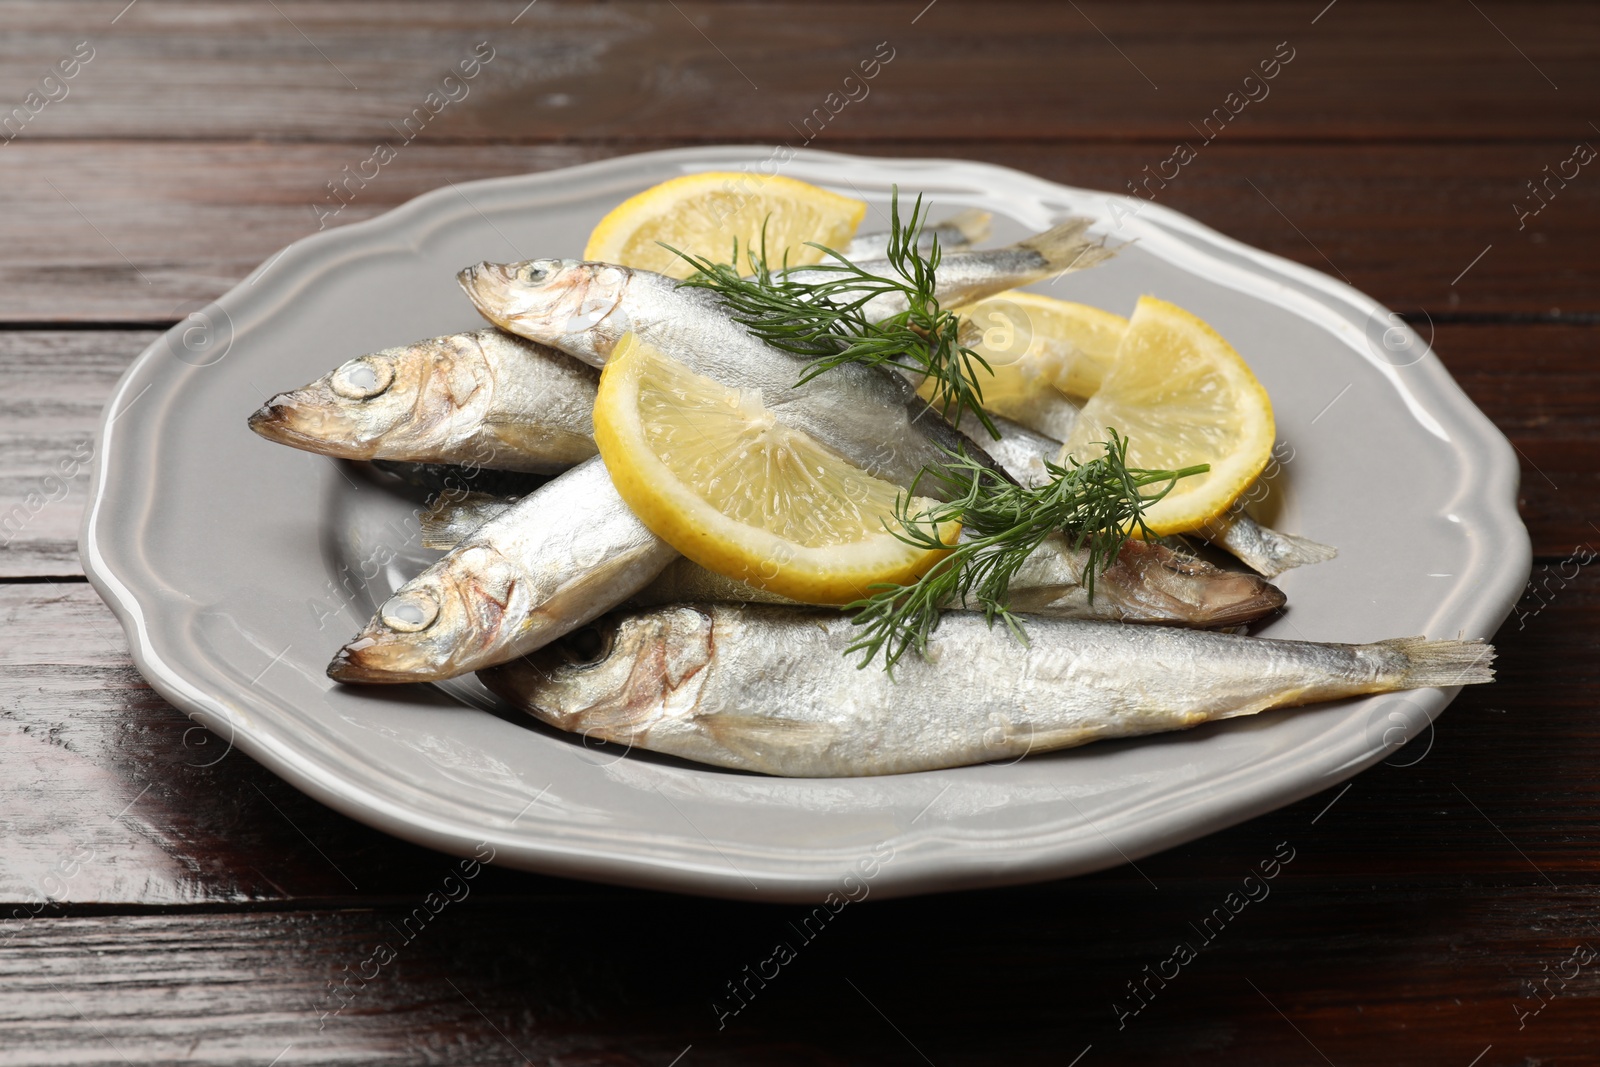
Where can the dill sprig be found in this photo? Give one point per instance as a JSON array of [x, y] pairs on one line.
[[818, 311], [1098, 504]]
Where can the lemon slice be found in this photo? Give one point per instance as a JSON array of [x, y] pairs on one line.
[[1040, 349], [705, 213], [713, 473], [1181, 396], [1034, 341]]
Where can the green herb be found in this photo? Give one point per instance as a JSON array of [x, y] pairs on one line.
[[1098, 504], [819, 311]]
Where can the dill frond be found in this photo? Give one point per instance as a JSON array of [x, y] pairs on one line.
[[818, 311], [1098, 504]]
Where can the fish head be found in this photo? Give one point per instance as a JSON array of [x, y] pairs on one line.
[[565, 303], [446, 621], [380, 400], [616, 676], [1184, 590]]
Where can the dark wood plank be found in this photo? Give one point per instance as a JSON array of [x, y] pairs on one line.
[[740, 72], [1541, 386], [1384, 975], [151, 239], [1400, 222], [52, 387]]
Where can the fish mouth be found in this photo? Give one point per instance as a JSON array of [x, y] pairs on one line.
[[371, 661], [504, 680], [487, 285], [274, 420], [302, 420]]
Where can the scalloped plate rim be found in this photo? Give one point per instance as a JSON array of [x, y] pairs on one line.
[[925, 861]]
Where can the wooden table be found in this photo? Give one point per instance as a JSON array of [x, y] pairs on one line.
[[166, 900]]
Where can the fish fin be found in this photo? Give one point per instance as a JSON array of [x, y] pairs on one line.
[[555, 450], [761, 741], [455, 515], [1301, 551], [1288, 551], [442, 538], [1258, 546], [972, 223], [1442, 663], [1067, 247]]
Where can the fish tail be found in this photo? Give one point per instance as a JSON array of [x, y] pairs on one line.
[[1067, 246], [971, 223], [1442, 664]]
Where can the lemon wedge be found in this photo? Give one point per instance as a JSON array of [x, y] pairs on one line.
[[1039, 348], [1181, 396], [713, 473], [704, 213]]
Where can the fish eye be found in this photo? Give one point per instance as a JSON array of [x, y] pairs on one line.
[[363, 378], [410, 612], [586, 647], [531, 274]]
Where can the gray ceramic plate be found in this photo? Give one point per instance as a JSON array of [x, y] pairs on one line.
[[238, 567]]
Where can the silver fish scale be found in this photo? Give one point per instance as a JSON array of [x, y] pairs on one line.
[[868, 415], [768, 689], [962, 278], [485, 398], [555, 560]]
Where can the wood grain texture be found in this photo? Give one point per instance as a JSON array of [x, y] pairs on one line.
[[1540, 384], [722, 72], [164, 899], [1425, 978], [175, 225], [52, 388]]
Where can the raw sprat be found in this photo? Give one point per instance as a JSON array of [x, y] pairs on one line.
[[760, 689], [810, 368], [891, 313]]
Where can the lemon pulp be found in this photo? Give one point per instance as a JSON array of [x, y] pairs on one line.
[[715, 474], [1181, 396], [706, 213]]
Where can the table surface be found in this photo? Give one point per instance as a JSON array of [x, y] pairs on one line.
[[163, 899]]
